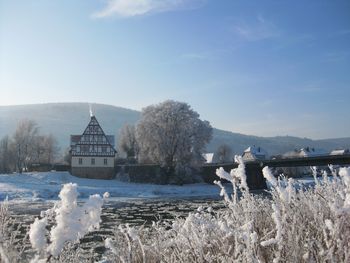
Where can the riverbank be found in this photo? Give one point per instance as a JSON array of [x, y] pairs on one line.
[[42, 186], [47, 185]]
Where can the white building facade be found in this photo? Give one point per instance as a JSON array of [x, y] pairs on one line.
[[93, 153]]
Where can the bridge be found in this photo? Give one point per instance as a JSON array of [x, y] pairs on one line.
[[308, 161], [255, 179]]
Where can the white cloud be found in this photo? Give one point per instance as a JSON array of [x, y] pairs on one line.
[[257, 30], [130, 8]]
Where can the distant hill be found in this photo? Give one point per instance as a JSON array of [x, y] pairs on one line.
[[64, 119]]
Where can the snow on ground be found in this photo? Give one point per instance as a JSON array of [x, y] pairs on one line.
[[39, 186], [46, 186]]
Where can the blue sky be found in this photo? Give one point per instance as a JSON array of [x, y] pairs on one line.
[[256, 67]]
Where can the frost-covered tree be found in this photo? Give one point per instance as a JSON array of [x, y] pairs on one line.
[[24, 141], [127, 140], [38, 146], [6, 155], [28, 146], [172, 135], [224, 153], [67, 156], [51, 149]]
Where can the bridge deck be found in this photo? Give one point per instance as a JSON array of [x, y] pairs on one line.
[[255, 178]]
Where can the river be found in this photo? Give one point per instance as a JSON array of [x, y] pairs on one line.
[[134, 211]]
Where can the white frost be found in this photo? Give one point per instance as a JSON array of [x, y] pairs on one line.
[[269, 176], [37, 234], [73, 222]]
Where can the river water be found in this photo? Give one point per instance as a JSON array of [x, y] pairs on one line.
[[134, 211]]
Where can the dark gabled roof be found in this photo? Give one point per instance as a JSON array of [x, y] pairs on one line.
[[110, 139], [76, 139]]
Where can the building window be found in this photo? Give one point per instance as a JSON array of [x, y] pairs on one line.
[[92, 161], [80, 161], [105, 161]]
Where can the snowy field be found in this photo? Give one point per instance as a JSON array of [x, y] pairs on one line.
[[46, 186]]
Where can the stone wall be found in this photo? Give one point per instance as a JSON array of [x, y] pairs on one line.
[[151, 174], [93, 172], [154, 174]]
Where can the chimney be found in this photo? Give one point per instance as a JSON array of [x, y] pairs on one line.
[[90, 110]]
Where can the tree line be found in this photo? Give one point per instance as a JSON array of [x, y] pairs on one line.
[[170, 134], [27, 147]]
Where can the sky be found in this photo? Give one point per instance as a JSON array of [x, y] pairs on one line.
[[262, 68]]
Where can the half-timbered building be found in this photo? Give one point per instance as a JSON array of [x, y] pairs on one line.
[[93, 153]]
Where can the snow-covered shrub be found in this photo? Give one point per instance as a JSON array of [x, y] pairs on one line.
[[10, 249], [291, 224], [71, 222], [5, 222], [308, 225]]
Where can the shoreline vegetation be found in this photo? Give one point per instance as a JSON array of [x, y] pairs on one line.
[[292, 225]]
